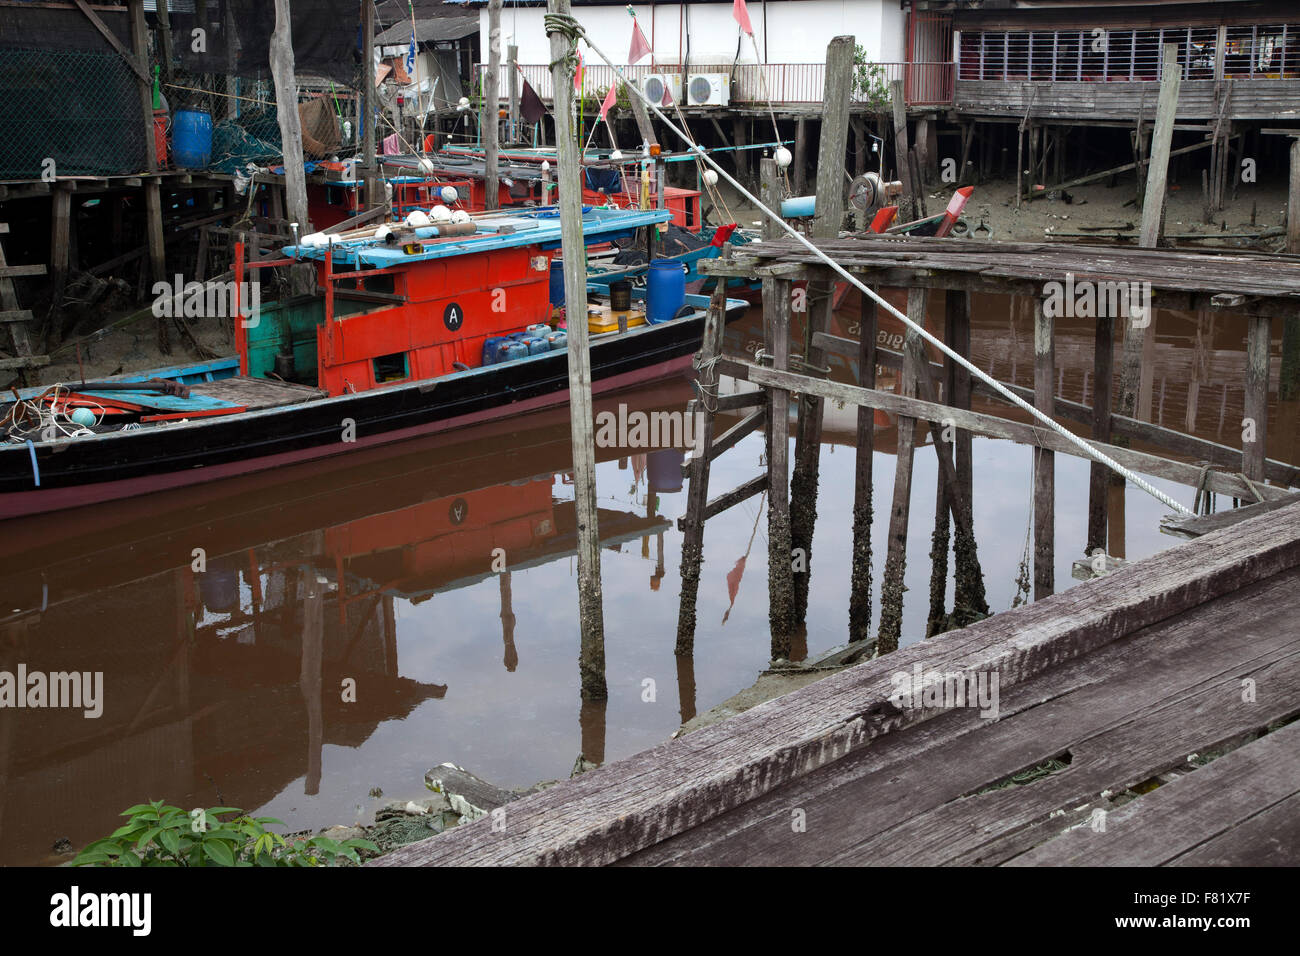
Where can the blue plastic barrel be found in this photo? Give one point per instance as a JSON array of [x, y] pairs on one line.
[[192, 138], [539, 328], [537, 345], [557, 283], [558, 340], [515, 350], [665, 290], [492, 349]]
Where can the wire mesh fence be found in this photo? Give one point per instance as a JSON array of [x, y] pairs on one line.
[[69, 113]]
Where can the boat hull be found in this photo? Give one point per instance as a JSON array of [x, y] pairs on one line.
[[89, 471]]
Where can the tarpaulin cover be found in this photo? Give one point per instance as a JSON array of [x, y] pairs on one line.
[[326, 37], [46, 28]]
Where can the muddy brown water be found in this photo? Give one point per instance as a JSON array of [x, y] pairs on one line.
[[374, 572]]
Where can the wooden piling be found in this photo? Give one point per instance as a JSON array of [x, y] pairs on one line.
[[826, 225], [489, 124], [1103, 366], [367, 104], [969, 601], [891, 588], [581, 415], [512, 86], [800, 156], [860, 576], [1255, 423], [780, 586], [697, 494], [907, 202], [1139, 342], [1044, 460]]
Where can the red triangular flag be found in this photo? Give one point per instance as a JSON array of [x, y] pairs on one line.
[[577, 76], [668, 96], [741, 13], [640, 45], [610, 99]]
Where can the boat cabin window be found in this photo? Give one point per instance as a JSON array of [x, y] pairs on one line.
[[391, 368], [379, 282]]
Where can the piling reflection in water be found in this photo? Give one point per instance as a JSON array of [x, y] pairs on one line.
[[349, 630]]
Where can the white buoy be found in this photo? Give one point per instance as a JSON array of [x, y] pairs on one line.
[[546, 165], [426, 165], [314, 240], [782, 157], [463, 103], [460, 215], [616, 155], [418, 219], [440, 213], [449, 194], [711, 177], [382, 233]]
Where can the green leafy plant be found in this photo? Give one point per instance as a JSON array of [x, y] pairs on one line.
[[870, 84], [156, 834]]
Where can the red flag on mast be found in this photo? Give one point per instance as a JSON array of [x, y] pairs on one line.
[[610, 99], [640, 45], [741, 13]]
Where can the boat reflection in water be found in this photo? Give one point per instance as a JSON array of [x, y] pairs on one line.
[[248, 631]]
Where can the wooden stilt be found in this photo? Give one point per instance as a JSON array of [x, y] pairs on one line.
[[1255, 423], [801, 156], [491, 103], [776, 312], [60, 242], [1044, 460], [581, 417], [969, 601], [860, 577], [1103, 363], [891, 588], [698, 492]]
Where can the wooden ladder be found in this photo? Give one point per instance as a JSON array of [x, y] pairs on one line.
[[14, 319]]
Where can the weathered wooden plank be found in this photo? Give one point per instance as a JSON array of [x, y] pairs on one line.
[[957, 754], [1191, 810], [1194, 527], [996, 427], [19, 272], [728, 439], [1269, 838], [627, 805], [25, 361], [999, 825]]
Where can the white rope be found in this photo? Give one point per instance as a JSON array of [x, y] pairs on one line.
[[1087, 449]]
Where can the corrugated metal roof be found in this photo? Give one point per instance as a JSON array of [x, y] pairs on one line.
[[430, 30]]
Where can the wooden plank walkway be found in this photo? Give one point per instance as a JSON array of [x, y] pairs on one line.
[[1250, 283], [1105, 690]]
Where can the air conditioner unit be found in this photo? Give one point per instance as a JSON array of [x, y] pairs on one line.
[[653, 87], [709, 89]]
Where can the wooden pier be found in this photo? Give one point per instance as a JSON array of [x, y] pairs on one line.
[[1142, 718]]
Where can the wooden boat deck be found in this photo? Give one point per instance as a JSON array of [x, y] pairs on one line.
[[255, 393], [1143, 718]]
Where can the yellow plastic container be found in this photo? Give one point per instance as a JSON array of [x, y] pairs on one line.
[[601, 318]]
